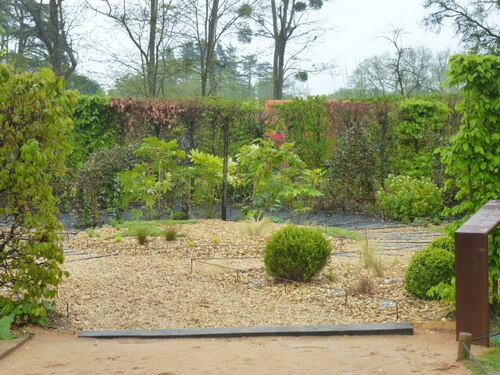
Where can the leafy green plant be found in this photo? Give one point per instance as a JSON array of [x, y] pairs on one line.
[[277, 178], [472, 159], [149, 182], [192, 244], [371, 259], [5, 328], [142, 236], [427, 269], [216, 240], [352, 174], [95, 129], [405, 198], [294, 253], [307, 125], [444, 291], [206, 177], [420, 130], [34, 128], [97, 186]]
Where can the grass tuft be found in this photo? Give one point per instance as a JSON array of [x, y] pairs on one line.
[[255, 226], [171, 234], [371, 259], [341, 232], [151, 227], [365, 285], [142, 236]]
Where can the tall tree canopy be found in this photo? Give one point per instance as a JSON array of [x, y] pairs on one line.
[[35, 34], [476, 22], [284, 22]]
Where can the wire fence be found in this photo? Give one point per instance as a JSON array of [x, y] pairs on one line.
[[474, 359]]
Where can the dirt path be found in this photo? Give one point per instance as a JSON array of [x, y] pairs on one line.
[[57, 353]]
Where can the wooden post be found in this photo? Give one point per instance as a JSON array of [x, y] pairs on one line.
[[471, 269], [464, 338]]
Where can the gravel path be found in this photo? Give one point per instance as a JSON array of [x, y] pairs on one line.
[[219, 281]]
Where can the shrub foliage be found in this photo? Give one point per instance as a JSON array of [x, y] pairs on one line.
[[297, 254], [406, 198], [428, 269], [34, 127]]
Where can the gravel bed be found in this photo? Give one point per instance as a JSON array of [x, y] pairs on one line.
[[123, 285]]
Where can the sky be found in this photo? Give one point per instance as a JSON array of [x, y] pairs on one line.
[[356, 30], [359, 27]]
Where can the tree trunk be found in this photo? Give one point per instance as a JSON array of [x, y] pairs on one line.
[[278, 69], [152, 61], [55, 52], [210, 52]]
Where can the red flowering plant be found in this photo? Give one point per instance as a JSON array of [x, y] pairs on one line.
[[277, 137]]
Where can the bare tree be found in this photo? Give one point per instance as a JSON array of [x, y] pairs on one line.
[[396, 64], [476, 22], [414, 71], [286, 22], [208, 21], [150, 26]]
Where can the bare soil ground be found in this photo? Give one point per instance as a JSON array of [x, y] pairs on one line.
[[62, 353], [213, 277]]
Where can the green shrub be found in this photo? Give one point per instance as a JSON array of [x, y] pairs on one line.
[[446, 243], [407, 198], [298, 254], [427, 269], [97, 185], [35, 123]]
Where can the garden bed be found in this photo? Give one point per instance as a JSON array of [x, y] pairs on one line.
[[213, 276]]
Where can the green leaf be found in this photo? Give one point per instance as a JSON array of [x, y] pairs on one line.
[[5, 328]]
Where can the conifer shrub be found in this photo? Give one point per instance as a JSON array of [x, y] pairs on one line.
[[427, 269], [298, 254]]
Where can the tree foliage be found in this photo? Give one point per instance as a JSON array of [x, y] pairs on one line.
[[285, 22], [472, 160], [476, 22], [34, 127], [420, 127], [307, 126], [36, 34]]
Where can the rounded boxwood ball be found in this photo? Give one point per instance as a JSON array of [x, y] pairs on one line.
[[446, 243], [297, 254], [427, 269]]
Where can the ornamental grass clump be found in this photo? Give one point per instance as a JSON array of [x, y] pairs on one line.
[[297, 254], [371, 259], [171, 234], [142, 236]]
